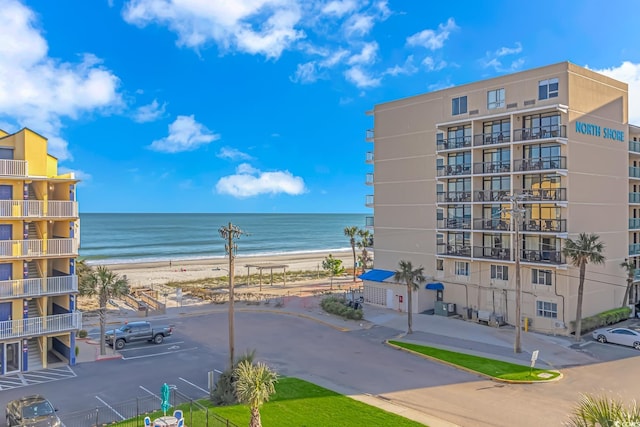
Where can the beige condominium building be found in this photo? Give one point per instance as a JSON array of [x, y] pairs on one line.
[[468, 178]]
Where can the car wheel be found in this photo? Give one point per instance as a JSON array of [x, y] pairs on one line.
[[636, 345], [602, 339], [120, 344], [158, 339]]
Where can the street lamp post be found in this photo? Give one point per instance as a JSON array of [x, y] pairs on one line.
[[516, 214]]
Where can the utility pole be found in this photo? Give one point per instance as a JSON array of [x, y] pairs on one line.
[[229, 233], [516, 215]]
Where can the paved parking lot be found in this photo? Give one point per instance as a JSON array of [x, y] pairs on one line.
[[23, 379], [610, 352], [141, 349]]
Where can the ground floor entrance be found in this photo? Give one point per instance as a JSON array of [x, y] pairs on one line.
[[11, 357]]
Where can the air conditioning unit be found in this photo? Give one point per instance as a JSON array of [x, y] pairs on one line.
[[559, 325]]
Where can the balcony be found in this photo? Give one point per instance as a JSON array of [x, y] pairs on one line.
[[540, 163], [634, 223], [13, 168], [634, 146], [542, 132], [491, 138], [36, 326], [634, 172], [38, 287], [454, 250], [491, 167], [634, 249], [492, 224], [454, 170], [545, 225], [491, 196], [38, 209], [38, 248], [543, 195], [453, 143], [545, 257], [454, 197], [368, 202], [368, 222], [369, 135], [369, 179], [455, 223], [369, 158], [489, 252], [634, 197]]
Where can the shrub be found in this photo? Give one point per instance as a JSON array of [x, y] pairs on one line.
[[335, 305], [82, 333], [605, 318]]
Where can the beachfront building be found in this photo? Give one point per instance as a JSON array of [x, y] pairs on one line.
[[38, 249], [468, 178]]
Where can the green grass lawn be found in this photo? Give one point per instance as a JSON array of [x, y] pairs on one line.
[[482, 365]]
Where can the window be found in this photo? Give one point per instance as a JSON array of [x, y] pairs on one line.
[[541, 277], [459, 105], [462, 268], [500, 272], [439, 265], [495, 99], [547, 309], [548, 89]]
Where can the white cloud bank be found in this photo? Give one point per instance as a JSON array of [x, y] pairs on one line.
[[249, 182], [185, 134], [150, 112], [629, 73], [39, 92]]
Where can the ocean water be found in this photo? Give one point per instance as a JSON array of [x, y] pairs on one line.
[[121, 238]]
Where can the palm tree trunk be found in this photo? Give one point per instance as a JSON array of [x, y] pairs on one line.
[[627, 292], [353, 249], [409, 314], [103, 324], [578, 332], [255, 418]]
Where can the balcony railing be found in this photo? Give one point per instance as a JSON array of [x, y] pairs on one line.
[[491, 138], [491, 196], [455, 250], [634, 223], [369, 179], [13, 168], [547, 257], [491, 167], [369, 135], [369, 159], [368, 221], [492, 253], [44, 325], [634, 249], [492, 224], [540, 163], [368, 202], [545, 225], [451, 170], [38, 247], [38, 208], [453, 143], [454, 197], [543, 195], [542, 132], [38, 287], [455, 223], [634, 146], [634, 197], [634, 172]]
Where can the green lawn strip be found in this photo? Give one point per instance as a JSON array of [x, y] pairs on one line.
[[300, 403], [494, 368]]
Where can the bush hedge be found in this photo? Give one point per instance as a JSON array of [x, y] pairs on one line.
[[337, 306], [605, 318]]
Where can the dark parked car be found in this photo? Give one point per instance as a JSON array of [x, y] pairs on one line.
[[32, 411], [137, 331]]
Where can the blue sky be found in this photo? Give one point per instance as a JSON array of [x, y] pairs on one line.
[[259, 105]]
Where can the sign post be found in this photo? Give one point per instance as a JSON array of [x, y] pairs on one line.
[[534, 357]]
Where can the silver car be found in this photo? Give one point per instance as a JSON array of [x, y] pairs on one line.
[[622, 336]]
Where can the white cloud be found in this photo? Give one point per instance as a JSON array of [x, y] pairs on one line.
[[185, 134], [495, 59], [407, 68], [232, 154], [432, 65], [629, 73], [249, 182], [433, 39], [359, 24], [366, 56], [266, 27], [305, 73], [150, 112], [340, 8], [509, 50], [361, 78], [38, 91]]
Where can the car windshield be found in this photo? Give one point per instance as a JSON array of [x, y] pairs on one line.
[[39, 409]]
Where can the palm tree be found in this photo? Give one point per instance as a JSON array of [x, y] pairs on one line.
[[585, 249], [630, 268], [412, 278], [106, 285], [603, 411], [255, 383], [352, 232], [363, 244]]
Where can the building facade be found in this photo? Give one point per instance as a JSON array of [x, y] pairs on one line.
[[38, 251], [468, 178]]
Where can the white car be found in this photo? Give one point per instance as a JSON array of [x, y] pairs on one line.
[[622, 336]]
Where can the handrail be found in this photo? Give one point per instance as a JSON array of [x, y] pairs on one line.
[[36, 287], [40, 325]]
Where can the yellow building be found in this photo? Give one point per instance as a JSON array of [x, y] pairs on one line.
[[550, 148], [38, 250]]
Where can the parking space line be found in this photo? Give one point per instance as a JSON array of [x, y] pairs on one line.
[[159, 354], [193, 385], [109, 406], [155, 346], [150, 392]]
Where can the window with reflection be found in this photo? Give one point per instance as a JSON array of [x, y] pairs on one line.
[[496, 183], [542, 125], [495, 99], [498, 129], [459, 134], [497, 159], [463, 184], [537, 151], [547, 89], [459, 105]]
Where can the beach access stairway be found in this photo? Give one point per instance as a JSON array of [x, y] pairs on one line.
[[145, 302]]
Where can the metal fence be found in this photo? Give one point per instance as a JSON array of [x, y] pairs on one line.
[[131, 413]]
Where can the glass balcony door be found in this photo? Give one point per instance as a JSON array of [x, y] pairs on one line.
[[11, 358]]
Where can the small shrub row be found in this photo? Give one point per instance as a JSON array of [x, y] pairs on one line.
[[605, 318], [337, 306]]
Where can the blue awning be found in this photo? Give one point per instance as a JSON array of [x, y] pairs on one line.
[[377, 275], [436, 286]]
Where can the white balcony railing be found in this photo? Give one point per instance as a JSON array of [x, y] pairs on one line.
[[38, 247], [20, 288], [13, 167], [38, 208], [44, 325]]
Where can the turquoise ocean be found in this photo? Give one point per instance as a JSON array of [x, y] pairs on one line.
[[124, 237]]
